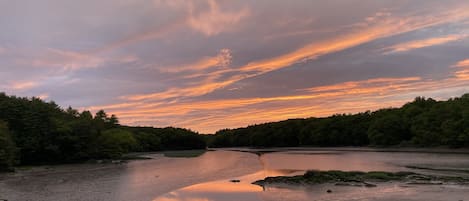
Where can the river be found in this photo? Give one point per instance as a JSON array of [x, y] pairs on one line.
[[207, 177]]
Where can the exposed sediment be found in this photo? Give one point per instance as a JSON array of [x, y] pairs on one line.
[[365, 179]]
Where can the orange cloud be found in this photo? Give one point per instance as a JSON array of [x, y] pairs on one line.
[[177, 107], [222, 59], [464, 63], [356, 96], [23, 85], [424, 43], [211, 22], [43, 96], [369, 31], [215, 21], [372, 85], [463, 70], [191, 91], [386, 27]]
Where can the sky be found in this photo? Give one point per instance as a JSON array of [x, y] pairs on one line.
[[213, 64]]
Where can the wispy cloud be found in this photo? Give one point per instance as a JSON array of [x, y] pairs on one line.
[[403, 47], [23, 85], [464, 63], [462, 72], [368, 31], [67, 60], [215, 21], [178, 62], [329, 99], [210, 22], [223, 59]]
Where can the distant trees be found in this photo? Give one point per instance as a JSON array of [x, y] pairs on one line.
[[33, 132], [7, 148], [422, 122], [113, 143], [153, 139], [389, 129]]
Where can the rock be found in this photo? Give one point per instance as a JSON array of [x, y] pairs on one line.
[[235, 181], [329, 191]]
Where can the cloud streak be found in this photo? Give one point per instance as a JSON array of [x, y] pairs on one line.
[[425, 43], [213, 64]]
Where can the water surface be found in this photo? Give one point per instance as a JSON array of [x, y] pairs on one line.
[[207, 177]]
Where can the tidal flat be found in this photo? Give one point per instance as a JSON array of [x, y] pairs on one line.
[[211, 175]]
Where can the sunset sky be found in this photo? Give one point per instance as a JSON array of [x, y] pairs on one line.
[[207, 64]]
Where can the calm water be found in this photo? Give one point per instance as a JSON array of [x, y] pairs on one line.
[[207, 178]]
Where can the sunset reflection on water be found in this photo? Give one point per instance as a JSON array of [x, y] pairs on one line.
[[286, 163]]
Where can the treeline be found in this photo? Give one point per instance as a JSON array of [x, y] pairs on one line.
[[422, 122], [33, 131]]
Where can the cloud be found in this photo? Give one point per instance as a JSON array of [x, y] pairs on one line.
[[43, 96], [192, 91], [178, 63], [223, 59], [462, 72], [462, 64], [403, 47], [215, 21], [156, 33], [388, 26], [208, 22], [23, 85], [67, 60], [329, 99], [376, 85]]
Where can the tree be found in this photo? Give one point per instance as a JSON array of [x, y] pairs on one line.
[[148, 141], [113, 120], [101, 115], [116, 142], [7, 148], [389, 129]]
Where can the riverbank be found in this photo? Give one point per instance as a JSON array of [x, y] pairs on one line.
[[208, 177], [439, 150]]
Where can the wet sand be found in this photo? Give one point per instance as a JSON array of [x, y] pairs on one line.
[[141, 180], [208, 176]]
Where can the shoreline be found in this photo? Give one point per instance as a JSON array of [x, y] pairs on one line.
[[436, 150]]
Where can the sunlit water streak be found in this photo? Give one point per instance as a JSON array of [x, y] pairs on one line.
[[297, 162], [207, 178]]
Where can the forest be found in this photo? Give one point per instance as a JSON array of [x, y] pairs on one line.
[[423, 122], [33, 131]]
